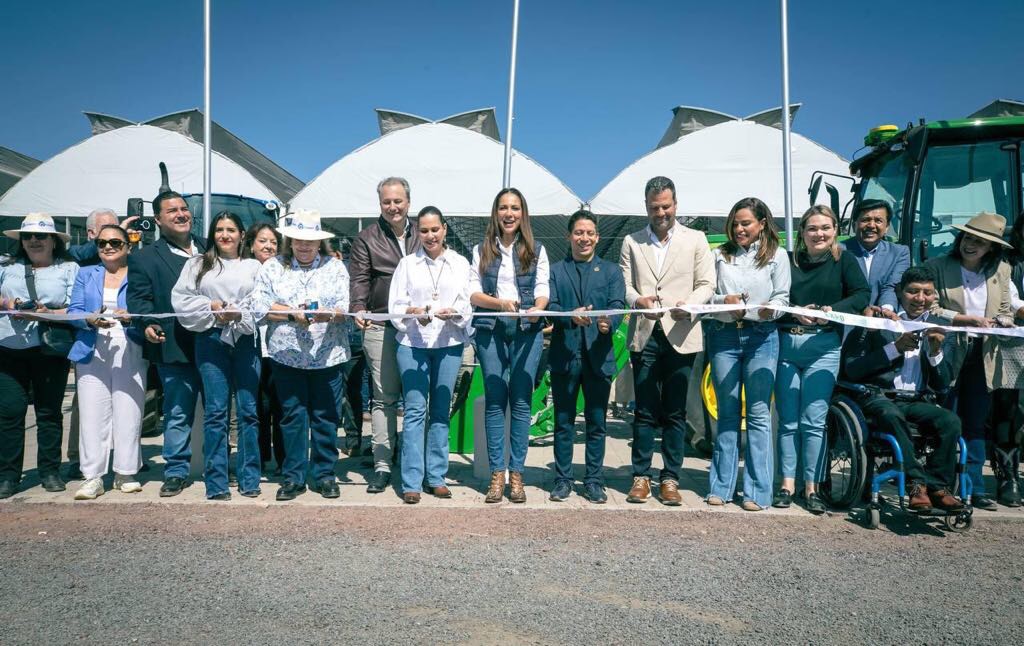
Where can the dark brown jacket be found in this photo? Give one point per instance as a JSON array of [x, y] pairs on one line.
[[375, 255]]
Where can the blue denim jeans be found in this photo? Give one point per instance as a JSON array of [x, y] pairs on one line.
[[808, 366], [428, 378], [565, 390], [309, 420], [744, 357], [182, 388], [226, 369], [508, 358]]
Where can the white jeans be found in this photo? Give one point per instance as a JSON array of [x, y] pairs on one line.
[[111, 394]]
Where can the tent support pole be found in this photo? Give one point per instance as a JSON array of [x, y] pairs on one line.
[[207, 134], [506, 179], [787, 162]]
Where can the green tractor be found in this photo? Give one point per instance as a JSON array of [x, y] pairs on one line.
[[936, 175]]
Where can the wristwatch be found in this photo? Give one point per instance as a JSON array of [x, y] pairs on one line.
[[291, 317]]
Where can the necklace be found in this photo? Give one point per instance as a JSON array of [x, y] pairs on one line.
[[435, 282]]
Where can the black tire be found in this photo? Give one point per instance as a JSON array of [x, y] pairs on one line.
[[960, 522], [872, 517], [846, 459]]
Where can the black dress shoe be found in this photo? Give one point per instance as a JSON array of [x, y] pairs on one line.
[[172, 486], [378, 482], [226, 495], [815, 504], [983, 502], [255, 493], [290, 490], [74, 472], [328, 488], [783, 499], [52, 483], [8, 488]]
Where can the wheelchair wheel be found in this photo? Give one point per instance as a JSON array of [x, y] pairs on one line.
[[960, 522], [845, 431], [872, 517]]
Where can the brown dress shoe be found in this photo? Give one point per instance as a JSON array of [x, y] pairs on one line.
[[640, 491], [944, 500], [496, 490], [516, 492], [411, 497], [669, 493], [441, 492], [919, 500]]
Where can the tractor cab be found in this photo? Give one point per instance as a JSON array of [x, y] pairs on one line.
[[936, 175]]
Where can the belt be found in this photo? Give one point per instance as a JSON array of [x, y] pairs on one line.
[[805, 329]]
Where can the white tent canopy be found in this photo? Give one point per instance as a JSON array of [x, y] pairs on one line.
[[108, 168], [453, 168], [716, 166]]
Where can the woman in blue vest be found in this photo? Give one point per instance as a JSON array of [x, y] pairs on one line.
[[509, 273]]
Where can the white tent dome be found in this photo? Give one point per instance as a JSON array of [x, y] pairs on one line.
[[455, 169], [108, 168], [716, 166]]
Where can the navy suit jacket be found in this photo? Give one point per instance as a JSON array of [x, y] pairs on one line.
[[604, 289], [152, 273], [887, 267]]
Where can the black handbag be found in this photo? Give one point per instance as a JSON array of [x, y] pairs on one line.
[[55, 339]]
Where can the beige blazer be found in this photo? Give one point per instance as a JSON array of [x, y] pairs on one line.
[[687, 276], [949, 284]]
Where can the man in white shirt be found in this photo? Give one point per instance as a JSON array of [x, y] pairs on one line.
[[906, 372]]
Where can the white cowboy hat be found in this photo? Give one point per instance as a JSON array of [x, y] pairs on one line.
[[303, 225], [988, 226], [37, 223]]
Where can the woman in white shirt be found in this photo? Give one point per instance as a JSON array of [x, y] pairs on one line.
[[431, 284], [211, 291], [509, 273]]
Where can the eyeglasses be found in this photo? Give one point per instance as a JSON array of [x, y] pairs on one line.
[[113, 243], [34, 236]]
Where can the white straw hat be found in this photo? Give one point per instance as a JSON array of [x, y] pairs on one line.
[[987, 226], [303, 225], [37, 223]]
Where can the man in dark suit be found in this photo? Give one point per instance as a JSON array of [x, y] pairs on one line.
[[906, 372], [152, 272], [882, 262], [581, 353]]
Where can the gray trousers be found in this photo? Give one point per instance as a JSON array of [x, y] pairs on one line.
[[380, 347]]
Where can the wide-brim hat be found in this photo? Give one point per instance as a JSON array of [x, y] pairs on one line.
[[37, 223], [988, 226], [303, 225]]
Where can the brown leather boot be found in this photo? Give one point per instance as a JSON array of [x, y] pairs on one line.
[[640, 491], [919, 500], [669, 493], [516, 492], [496, 490], [942, 499]]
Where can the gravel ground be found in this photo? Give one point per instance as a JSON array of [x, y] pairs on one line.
[[196, 574]]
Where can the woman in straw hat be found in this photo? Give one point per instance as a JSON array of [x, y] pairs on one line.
[[38, 278], [305, 295], [973, 284]]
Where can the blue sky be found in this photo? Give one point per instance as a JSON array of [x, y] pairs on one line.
[[596, 79]]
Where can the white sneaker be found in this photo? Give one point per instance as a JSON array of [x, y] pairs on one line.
[[90, 489], [126, 484]]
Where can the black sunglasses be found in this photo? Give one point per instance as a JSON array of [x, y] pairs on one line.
[[37, 236], [113, 243]]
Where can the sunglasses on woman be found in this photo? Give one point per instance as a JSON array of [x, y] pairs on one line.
[[113, 243], [34, 236]]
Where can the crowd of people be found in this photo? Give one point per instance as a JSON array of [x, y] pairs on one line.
[[273, 327]]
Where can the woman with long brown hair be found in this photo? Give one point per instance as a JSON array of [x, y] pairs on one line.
[[509, 273]]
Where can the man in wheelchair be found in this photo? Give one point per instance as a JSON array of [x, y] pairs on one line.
[[904, 374]]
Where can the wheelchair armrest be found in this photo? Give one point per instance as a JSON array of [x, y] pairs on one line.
[[850, 387]]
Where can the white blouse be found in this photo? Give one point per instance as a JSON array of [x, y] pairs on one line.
[[231, 281], [420, 281], [507, 289]]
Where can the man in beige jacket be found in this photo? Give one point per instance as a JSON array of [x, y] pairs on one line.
[[664, 265]]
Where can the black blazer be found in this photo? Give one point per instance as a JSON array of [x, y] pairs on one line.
[[605, 290], [865, 361], [152, 273]]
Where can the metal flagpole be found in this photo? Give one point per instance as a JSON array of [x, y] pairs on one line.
[[787, 162], [207, 134], [506, 178]]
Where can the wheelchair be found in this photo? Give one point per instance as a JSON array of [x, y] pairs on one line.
[[860, 461]]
